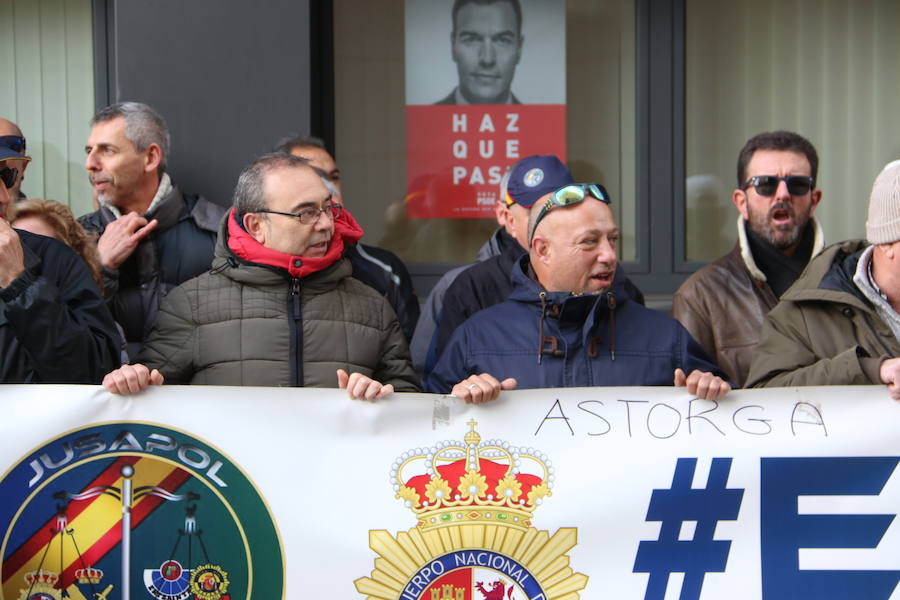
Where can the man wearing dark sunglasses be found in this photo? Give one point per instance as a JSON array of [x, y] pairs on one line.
[[840, 322], [724, 304], [54, 326], [11, 137], [280, 306], [570, 320]]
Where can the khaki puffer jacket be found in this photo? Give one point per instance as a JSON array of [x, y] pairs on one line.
[[253, 325], [824, 331]]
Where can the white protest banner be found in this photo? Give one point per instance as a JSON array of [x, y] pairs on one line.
[[213, 493]]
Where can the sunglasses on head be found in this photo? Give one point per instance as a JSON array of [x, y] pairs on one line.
[[567, 196], [8, 176], [16, 143], [766, 185]]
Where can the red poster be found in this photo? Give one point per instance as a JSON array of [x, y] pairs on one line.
[[503, 64], [457, 154]]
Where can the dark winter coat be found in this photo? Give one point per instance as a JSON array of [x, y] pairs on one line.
[[179, 248], [245, 323], [824, 331], [554, 339], [54, 325]]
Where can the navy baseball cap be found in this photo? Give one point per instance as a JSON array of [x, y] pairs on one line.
[[536, 176], [12, 147]]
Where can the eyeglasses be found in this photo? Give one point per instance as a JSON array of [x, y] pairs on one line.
[[8, 175], [310, 215], [567, 196], [16, 143], [766, 185]]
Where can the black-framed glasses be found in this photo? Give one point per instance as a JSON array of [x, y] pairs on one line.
[[766, 185], [16, 143], [8, 175], [567, 196], [309, 215]]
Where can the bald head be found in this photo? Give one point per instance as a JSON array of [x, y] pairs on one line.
[[7, 127], [573, 248]]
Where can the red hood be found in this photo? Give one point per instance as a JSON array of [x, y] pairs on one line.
[[346, 231]]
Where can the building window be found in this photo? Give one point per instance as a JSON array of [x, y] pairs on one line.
[[370, 121], [827, 70]]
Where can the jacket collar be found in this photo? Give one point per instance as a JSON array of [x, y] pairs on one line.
[[829, 276], [747, 254], [346, 232], [526, 289], [163, 190]]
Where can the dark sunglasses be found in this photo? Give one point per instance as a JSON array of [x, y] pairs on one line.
[[567, 196], [766, 185], [8, 176], [16, 143]]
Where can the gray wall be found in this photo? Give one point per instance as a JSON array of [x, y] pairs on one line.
[[229, 77]]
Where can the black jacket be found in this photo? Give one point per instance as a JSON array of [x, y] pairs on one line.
[[383, 271], [482, 285], [181, 247], [54, 325]]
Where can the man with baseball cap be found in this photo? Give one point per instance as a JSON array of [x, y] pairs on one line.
[[839, 324], [489, 282], [54, 326], [570, 319]]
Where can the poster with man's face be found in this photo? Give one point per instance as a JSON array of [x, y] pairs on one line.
[[485, 87]]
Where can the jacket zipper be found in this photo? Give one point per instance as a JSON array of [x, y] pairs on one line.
[[297, 317]]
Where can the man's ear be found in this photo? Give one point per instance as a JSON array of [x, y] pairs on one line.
[[253, 223], [153, 158], [540, 249], [815, 199], [739, 198], [889, 250], [501, 212]]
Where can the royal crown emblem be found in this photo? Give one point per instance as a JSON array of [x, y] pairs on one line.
[[474, 502]]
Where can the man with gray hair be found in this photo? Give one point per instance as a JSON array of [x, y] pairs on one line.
[[152, 235], [839, 324], [280, 306]]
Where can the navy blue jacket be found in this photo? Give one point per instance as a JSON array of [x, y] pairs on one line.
[[554, 339]]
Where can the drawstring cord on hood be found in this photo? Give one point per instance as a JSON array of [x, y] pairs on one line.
[[543, 296], [611, 304]]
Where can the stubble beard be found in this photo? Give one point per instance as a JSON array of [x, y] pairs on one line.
[[780, 237]]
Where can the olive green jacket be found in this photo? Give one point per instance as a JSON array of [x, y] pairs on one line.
[[249, 324], [823, 331]]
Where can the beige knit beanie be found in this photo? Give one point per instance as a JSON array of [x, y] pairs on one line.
[[883, 224]]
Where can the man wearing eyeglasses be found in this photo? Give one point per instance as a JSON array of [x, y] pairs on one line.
[[54, 326], [840, 322], [570, 320], [379, 268], [153, 236], [11, 138], [280, 306], [724, 304]]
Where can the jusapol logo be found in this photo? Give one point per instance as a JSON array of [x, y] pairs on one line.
[[172, 512]]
